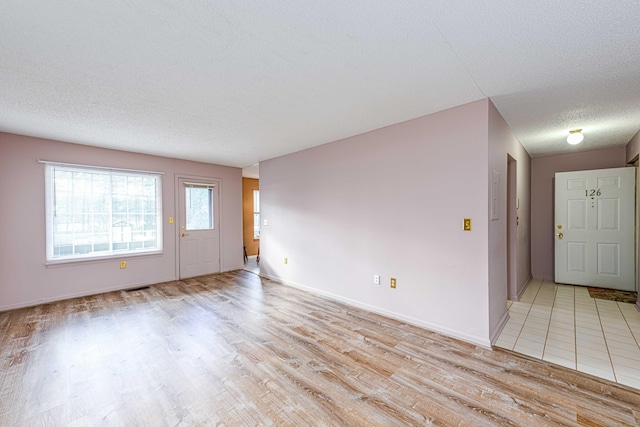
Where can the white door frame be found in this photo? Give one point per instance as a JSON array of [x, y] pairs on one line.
[[571, 206], [512, 229], [635, 162], [178, 213]]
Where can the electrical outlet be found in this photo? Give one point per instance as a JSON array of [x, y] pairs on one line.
[[376, 279], [123, 264], [466, 224], [286, 260], [393, 282]]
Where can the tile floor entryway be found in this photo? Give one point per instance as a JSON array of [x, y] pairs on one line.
[[563, 325]]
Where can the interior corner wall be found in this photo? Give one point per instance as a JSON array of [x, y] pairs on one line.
[[632, 153], [25, 279], [503, 143], [543, 171], [248, 186], [389, 202], [633, 148]]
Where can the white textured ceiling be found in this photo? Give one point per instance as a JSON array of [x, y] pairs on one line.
[[237, 82]]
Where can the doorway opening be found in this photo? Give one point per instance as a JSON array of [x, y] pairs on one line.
[[251, 219], [512, 229]]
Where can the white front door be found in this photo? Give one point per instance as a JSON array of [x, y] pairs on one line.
[[199, 227], [595, 228]]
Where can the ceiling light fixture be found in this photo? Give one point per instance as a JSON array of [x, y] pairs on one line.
[[575, 136]]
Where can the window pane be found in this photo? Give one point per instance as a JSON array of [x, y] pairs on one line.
[[256, 225], [199, 208], [256, 214], [256, 201], [96, 212]]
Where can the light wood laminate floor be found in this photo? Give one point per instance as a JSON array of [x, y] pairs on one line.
[[239, 350], [252, 264]]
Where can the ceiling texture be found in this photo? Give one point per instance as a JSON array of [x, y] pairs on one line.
[[237, 82]]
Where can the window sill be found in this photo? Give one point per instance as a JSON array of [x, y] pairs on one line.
[[99, 260]]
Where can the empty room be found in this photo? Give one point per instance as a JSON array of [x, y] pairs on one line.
[[303, 213]]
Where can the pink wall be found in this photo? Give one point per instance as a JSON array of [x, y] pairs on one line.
[[389, 202], [542, 190], [502, 142], [25, 280], [633, 148]]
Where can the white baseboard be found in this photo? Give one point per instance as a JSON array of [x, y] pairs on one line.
[[498, 330], [522, 289], [233, 268], [397, 316], [82, 294]]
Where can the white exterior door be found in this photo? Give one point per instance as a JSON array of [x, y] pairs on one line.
[[595, 228], [199, 228]]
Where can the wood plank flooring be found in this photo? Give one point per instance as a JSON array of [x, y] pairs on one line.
[[235, 349]]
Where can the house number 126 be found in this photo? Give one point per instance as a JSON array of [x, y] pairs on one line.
[[592, 192]]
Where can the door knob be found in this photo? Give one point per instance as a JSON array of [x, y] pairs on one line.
[[560, 235], [184, 234]]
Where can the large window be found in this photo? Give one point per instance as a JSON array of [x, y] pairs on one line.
[[256, 214], [94, 212]]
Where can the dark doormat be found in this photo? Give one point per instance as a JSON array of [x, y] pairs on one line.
[[613, 295]]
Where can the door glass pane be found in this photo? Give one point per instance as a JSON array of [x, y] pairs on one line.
[[199, 208]]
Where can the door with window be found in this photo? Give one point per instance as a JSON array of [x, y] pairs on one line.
[[199, 227], [595, 228]]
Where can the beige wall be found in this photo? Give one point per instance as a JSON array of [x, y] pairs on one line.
[[632, 153], [26, 280], [633, 148], [251, 244], [502, 145], [391, 202], [543, 170]]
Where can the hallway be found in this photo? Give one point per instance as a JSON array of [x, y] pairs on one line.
[[252, 265], [562, 324]]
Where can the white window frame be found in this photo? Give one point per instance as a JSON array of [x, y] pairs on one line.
[[50, 211], [256, 211]]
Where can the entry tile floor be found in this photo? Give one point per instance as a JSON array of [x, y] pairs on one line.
[[562, 324]]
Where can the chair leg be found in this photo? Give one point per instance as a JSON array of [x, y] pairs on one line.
[[246, 258], [258, 257]]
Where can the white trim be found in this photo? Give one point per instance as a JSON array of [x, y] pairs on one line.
[[522, 289], [198, 185], [74, 165], [498, 330], [50, 209], [89, 260], [215, 182], [34, 303], [397, 316]]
